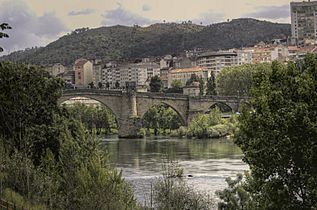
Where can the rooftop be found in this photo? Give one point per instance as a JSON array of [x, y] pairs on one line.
[[187, 70], [80, 62], [215, 54]]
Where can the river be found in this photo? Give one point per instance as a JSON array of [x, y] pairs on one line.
[[209, 162]]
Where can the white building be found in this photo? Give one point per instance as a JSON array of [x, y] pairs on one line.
[[123, 73], [216, 61], [110, 75], [97, 73], [244, 56]]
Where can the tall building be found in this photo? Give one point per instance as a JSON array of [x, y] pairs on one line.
[[304, 19], [83, 72], [216, 61]]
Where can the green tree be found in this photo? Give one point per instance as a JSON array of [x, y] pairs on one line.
[[99, 117], [28, 106], [193, 78], [4, 26], [176, 87], [211, 85], [100, 85], [160, 118], [238, 80], [91, 85], [201, 86], [155, 84], [48, 157], [278, 138], [117, 85]]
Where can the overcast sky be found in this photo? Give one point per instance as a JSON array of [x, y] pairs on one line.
[[38, 22]]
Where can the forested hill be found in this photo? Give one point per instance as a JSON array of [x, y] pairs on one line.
[[117, 42]]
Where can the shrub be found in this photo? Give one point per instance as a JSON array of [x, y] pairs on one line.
[[172, 192]]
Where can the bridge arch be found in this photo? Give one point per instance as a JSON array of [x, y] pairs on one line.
[[223, 107], [115, 110], [142, 112], [246, 105]]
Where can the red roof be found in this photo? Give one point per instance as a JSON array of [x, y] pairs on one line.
[[80, 62]]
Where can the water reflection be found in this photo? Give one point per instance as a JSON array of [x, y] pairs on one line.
[[124, 151], [209, 161]]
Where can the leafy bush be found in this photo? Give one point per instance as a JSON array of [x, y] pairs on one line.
[[211, 126], [19, 201], [235, 196], [172, 192]]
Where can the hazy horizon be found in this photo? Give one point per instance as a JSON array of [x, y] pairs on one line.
[[39, 22]]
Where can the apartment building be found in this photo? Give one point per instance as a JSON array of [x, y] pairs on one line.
[[110, 75], [140, 73], [216, 61], [304, 19]]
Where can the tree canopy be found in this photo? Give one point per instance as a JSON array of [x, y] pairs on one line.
[[4, 26], [211, 85], [279, 138], [155, 84], [28, 106], [238, 80], [46, 156]]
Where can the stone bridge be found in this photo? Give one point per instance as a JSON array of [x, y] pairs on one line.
[[129, 108]]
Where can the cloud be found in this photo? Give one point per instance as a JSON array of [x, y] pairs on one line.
[[209, 17], [120, 16], [271, 12], [146, 7], [81, 12], [28, 29]]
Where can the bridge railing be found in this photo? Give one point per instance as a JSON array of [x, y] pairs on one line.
[[92, 91], [175, 95], [151, 94]]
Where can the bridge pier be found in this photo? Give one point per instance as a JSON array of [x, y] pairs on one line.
[[130, 127], [192, 114], [129, 122]]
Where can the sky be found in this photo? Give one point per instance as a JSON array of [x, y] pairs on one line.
[[39, 22]]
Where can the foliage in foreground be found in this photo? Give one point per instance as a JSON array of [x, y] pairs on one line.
[[28, 104], [46, 158], [278, 138], [235, 196], [172, 192], [81, 178]]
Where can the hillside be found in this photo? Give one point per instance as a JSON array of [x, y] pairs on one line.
[[117, 42]]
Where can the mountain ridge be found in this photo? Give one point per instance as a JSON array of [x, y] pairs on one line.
[[126, 42]]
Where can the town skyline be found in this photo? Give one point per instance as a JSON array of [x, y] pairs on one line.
[[37, 23]]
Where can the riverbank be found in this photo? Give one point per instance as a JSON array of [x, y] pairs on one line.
[[203, 126]]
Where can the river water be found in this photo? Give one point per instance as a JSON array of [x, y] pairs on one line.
[[209, 162]]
